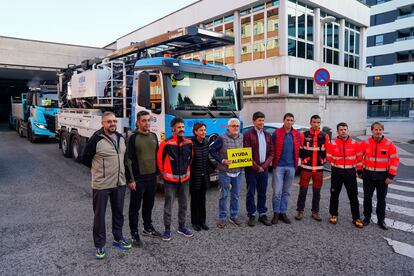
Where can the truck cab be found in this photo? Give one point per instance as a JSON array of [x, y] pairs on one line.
[[39, 108]]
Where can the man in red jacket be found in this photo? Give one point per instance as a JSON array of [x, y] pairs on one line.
[[345, 156], [286, 142], [380, 163], [256, 176]]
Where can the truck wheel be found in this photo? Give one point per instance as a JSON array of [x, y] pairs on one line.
[[30, 135], [65, 144], [19, 131], [77, 147]]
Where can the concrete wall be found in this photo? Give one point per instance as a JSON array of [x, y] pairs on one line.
[[353, 112], [30, 53]]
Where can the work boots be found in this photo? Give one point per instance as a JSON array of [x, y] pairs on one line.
[[299, 215]]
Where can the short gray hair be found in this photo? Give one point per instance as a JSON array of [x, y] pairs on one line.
[[233, 120], [107, 113]]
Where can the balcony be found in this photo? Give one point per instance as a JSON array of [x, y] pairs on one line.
[[405, 38], [405, 16]]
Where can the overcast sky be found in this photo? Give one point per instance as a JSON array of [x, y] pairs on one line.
[[82, 22]]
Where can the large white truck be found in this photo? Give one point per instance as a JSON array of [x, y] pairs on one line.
[[148, 76]]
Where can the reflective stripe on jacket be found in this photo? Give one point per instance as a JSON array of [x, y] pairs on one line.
[[344, 154], [380, 156], [174, 159], [313, 149]]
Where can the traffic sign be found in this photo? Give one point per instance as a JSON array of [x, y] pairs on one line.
[[322, 77], [322, 90]]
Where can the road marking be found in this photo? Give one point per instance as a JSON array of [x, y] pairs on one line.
[[395, 224], [407, 161], [403, 152], [406, 181], [394, 208], [394, 196], [401, 247], [395, 187]]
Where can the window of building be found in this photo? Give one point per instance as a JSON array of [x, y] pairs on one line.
[[272, 44], [300, 86], [379, 40], [350, 90], [331, 43], [333, 89], [352, 45], [261, 87], [300, 30]]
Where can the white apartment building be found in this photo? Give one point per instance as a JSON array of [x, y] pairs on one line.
[[278, 47]]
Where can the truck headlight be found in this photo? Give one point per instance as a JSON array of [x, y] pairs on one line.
[[40, 126]]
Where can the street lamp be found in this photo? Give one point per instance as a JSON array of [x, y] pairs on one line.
[[322, 96]]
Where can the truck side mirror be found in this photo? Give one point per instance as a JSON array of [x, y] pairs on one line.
[[239, 94], [144, 90]]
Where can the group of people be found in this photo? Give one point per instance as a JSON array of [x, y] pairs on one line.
[[185, 166]]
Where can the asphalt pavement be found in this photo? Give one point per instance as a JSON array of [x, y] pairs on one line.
[[46, 229]]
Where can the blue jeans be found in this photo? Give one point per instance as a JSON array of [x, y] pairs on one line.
[[225, 182], [281, 182], [256, 181]]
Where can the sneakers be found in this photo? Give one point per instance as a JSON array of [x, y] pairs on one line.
[[263, 219], [185, 232], [299, 215], [366, 221], [358, 223], [151, 232], [167, 235], [284, 218], [122, 243], [235, 221], [334, 219], [316, 216], [221, 224], [275, 218], [136, 240], [100, 253]]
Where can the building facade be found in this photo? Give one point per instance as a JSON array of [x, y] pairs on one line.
[[390, 52], [278, 47]]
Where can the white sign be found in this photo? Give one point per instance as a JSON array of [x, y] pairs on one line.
[[322, 90]]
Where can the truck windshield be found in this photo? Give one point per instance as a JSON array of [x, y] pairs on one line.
[[200, 91], [47, 99]]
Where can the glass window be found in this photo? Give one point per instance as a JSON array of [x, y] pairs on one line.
[[272, 47], [197, 91], [246, 30], [336, 57], [356, 91], [301, 24], [292, 85], [328, 33], [309, 51], [301, 86], [229, 28], [247, 87], [292, 47], [258, 50], [218, 56], [291, 22], [336, 89], [258, 26], [210, 56], [259, 87], [301, 49], [309, 87], [229, 55], [351, 42], [336, 36], [309, 28], [346, 40], [357, 37], [379, 39], [272, 23], [272, 85], [346, 90]]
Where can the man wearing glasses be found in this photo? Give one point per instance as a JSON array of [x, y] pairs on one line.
[[104, 154], [228, 177]]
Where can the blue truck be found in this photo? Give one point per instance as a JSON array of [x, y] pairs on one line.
[[33, 113]]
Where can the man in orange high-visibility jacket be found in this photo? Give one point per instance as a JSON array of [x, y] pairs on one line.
[[345, 156], [380, 163], [174, 161]]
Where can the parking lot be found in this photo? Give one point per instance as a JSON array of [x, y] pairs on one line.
[[46, 228]]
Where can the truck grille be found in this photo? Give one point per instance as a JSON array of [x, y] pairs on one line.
[[50, 121]]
